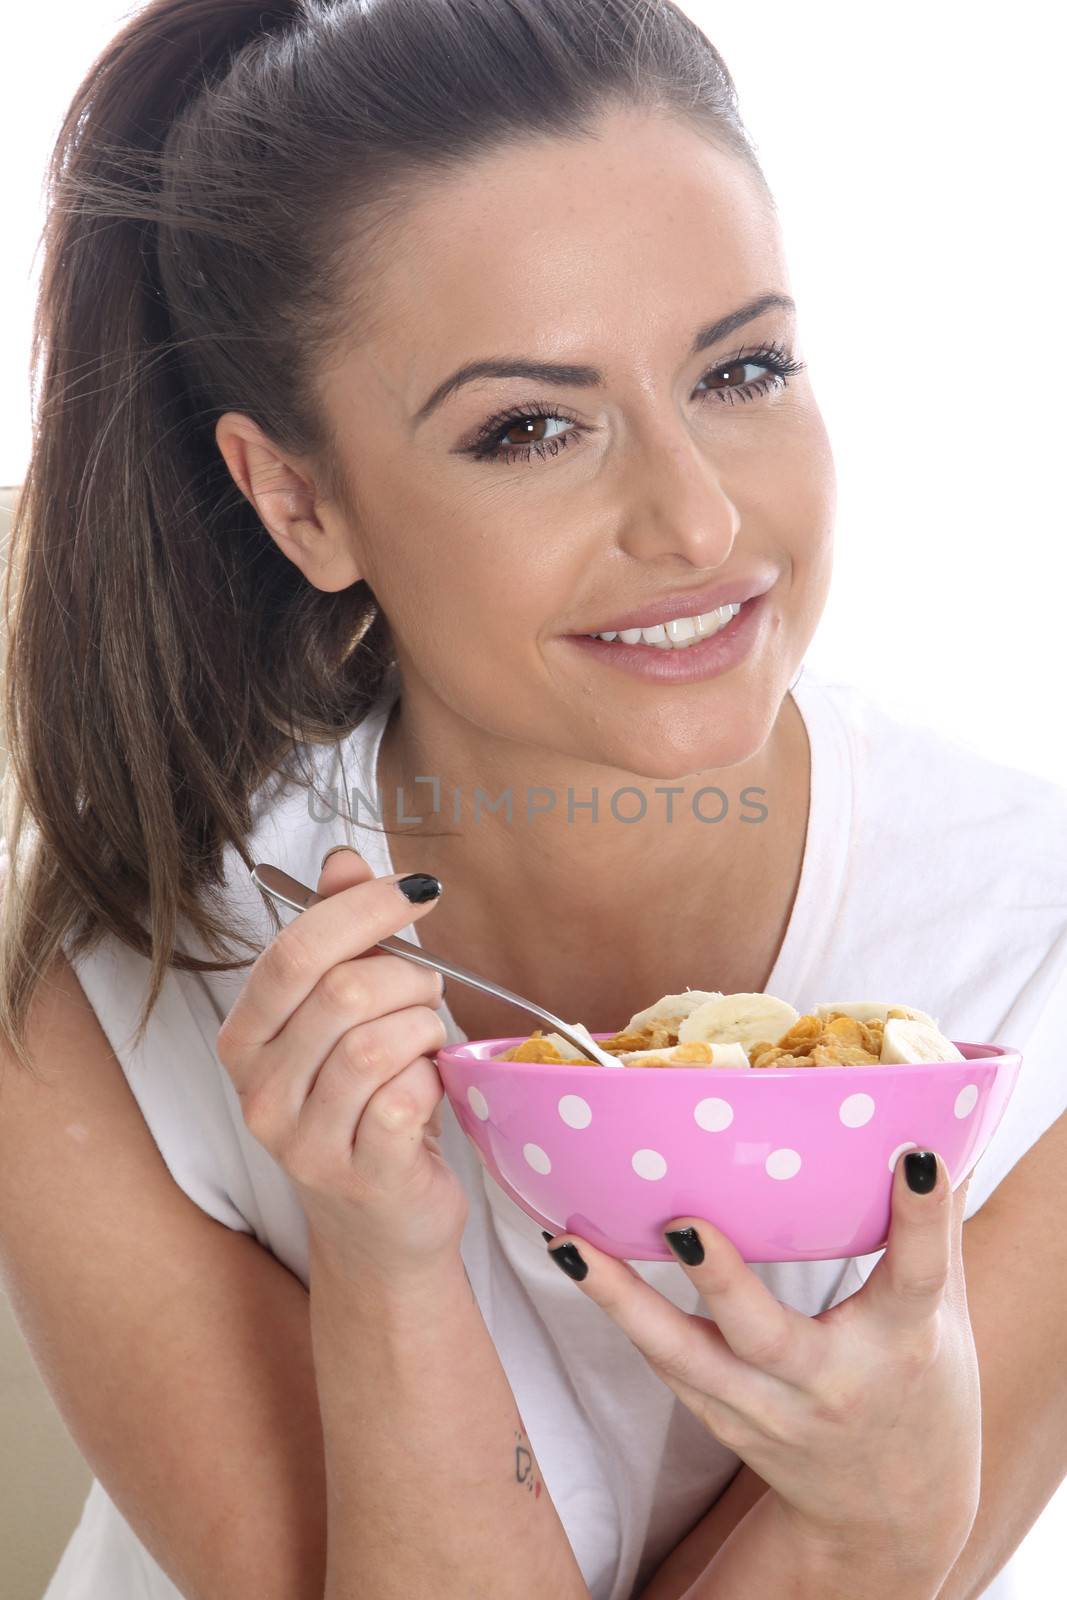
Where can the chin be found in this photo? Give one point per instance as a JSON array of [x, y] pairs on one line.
[[663, 761], [712, 764], [709, 739]]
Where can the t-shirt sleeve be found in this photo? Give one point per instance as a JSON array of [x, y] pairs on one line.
[[1037, 1027], [184, 1093]]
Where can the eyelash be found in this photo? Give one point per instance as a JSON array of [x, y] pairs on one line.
[[485, 447]]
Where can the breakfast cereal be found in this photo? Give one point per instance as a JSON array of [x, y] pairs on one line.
[[705, 1028]]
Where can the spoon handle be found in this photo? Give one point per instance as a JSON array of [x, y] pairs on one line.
[[291, 892]]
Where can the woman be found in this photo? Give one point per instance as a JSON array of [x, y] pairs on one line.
[[390, 354]]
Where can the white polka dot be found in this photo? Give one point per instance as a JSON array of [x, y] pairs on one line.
[[898, 1152], [782, 1164], [479, 1104], [575, 1111], [648, 1164], [856, 1110], [966, 1100], [713, 1115], [537, 1158]]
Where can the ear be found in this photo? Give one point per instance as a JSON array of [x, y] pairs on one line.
[[310, 531]]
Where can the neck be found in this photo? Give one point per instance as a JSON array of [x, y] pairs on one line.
[[673, 901]]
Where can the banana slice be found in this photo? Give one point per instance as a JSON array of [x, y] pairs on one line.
[[742, 1019], [722, 1055], [873, 1011], [668, 1013], [916, 1041], [564, 1046]]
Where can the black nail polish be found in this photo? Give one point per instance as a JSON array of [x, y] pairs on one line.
[[920, 1170], [685, 1242], [546, 1236], [567, 1257], [419, 886]]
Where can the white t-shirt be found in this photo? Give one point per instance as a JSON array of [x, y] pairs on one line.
[[931, 875]]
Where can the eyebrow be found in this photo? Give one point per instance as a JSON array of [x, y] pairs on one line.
[[588, 377]]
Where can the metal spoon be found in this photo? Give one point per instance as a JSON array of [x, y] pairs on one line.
[[291, 892]]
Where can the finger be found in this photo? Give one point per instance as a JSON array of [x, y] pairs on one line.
[[344, 925], [656, 1327], [343, 866], [364, 1064], [373, 985], [435, 1125], [910, 1279], [758, 1328], [389, 1139], [957, 1286], [687, 1350]]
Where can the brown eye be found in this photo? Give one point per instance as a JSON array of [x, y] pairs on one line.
[[530, 429], [731, 369]]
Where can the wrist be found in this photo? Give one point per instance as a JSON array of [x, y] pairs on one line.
[[346, 1273], [896, 1563]]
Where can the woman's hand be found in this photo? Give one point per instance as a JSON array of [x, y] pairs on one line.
[[864, 1420], [328, 1046]]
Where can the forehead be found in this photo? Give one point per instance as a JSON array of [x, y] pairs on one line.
[[564, 248]]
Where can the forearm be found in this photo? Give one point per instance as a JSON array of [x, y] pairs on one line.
[[693, 1554], [691, 1572], [766, 1554], [431, 1482]]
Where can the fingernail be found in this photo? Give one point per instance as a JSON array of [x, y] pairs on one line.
[[567, 1257], [685, 1242], [920, 1170], [333, 851], [419, 886], [546, 1235]]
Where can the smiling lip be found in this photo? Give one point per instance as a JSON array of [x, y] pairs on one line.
[[691, 603]]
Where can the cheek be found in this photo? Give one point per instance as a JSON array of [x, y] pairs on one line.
[[795, 496], [814, 474], [469, 589], [809, 524]]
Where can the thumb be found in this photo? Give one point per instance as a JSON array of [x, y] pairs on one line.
[[342, 867], [959, 1211], [911, 1278]]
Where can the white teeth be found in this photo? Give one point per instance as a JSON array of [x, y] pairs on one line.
[[677, 634]]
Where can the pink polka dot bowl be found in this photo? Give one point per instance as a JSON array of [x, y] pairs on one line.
[[792, 1164]]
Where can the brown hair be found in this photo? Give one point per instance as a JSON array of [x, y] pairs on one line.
[[221, 167]]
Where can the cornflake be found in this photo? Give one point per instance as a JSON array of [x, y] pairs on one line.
[[836, 1041]]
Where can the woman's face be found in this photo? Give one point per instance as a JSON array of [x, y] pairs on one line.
[[610, 255]]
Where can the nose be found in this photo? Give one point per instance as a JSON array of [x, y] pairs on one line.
[[679, 504]]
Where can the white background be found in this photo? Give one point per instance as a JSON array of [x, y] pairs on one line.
[[916, 152]]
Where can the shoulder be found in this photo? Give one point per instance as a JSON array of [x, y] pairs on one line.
[[323, 796], [930, 797]]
